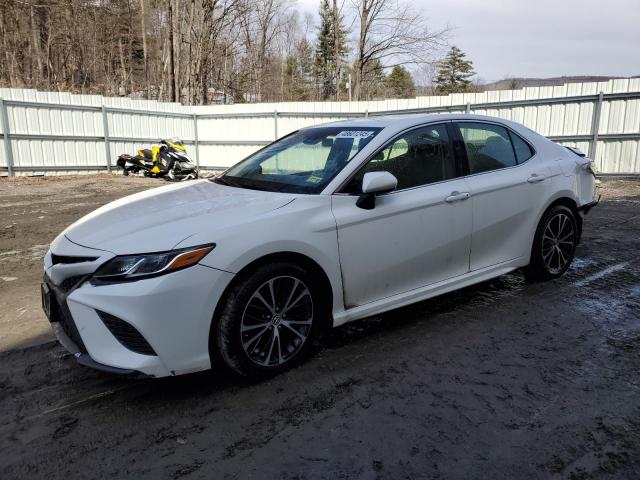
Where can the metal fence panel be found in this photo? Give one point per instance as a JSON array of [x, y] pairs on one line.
[[56, 153], [50, 132]]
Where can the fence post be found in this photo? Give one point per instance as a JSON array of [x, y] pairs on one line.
[[366, 113], [275, 124], [595, 127], [468, 108], [195, 133], [8, 152], [107, 146]]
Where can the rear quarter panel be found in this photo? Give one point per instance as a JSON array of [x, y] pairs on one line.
[[561, 169]]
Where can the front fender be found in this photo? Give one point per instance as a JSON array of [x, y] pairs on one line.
[[305, 226]]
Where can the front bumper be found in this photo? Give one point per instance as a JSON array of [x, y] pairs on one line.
[[64, 328], [173, 313]]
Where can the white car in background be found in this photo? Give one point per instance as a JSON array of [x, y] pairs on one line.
[[327, 225]]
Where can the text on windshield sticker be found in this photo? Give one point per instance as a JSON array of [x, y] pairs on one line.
[[354, 134]]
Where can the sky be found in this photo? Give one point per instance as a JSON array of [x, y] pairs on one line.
[[538, 38]]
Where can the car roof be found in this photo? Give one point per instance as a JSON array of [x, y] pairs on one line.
[[402, 121]]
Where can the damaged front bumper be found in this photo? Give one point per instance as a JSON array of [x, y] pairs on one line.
[[54, 304]]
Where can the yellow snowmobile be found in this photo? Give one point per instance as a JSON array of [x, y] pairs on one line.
[[169, 160]]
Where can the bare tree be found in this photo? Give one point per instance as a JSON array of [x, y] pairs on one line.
[[392, 33], [268, 16], [191, 50]]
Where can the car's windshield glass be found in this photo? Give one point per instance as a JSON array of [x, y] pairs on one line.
[[303, 162]]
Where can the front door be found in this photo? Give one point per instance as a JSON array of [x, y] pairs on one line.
[[415, 236]]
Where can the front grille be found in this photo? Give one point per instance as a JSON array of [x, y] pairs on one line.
[[63, 316], [60, 311], [56, 259], [69, 283], [126, 334]]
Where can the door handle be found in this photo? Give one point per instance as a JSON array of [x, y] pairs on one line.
[[535, 178], [457, 197]]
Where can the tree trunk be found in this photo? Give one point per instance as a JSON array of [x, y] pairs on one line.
[[337, 42], [132, 87], [144, 49], [35, 38], [362, 43], [123, 66], [189, 72], [172, 71]]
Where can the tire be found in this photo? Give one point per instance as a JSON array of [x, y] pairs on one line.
[[253, 337], [554, 244]]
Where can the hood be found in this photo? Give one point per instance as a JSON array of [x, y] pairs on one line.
[[160, 218]]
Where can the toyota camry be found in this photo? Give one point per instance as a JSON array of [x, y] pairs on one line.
[[327, 225]]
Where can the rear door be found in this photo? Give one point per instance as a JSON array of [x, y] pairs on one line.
[[508, 187], [416, 235]]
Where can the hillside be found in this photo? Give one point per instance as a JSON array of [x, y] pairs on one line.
[[513, 83]]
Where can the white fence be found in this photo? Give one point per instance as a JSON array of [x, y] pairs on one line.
[[45, 132]]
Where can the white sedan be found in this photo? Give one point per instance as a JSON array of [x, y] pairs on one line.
[[327, 225]]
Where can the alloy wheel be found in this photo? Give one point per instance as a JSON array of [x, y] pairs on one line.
[[276, 321], [558, 242]]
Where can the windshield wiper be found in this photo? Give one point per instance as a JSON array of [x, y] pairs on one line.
[[254, 185], [224, 181]]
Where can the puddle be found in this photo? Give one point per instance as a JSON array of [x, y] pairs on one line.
[[581, 264]]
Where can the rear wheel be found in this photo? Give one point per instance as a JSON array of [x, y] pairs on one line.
[[554, 244], [268, 320]]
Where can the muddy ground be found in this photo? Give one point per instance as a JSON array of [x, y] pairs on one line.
[[33, 211], [500, 380]]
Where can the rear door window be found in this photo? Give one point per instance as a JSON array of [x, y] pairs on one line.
[[488, 146]]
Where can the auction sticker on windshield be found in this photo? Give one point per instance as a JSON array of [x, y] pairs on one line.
[[354, 134]]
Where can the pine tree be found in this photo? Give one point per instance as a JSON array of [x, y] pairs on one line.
[[331, 39], [299, 72], [373, 81], [454, 73], [400, 83]]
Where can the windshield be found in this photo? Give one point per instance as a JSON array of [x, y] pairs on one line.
[[303, 162]]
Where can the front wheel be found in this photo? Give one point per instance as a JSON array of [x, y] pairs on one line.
[[268, 320], [554, 244]]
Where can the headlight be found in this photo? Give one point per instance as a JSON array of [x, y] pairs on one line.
[[134, 267]]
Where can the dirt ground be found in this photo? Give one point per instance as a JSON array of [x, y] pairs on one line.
[[501, 380], [33, 211]]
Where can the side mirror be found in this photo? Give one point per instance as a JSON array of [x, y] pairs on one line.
[[372, 184]]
